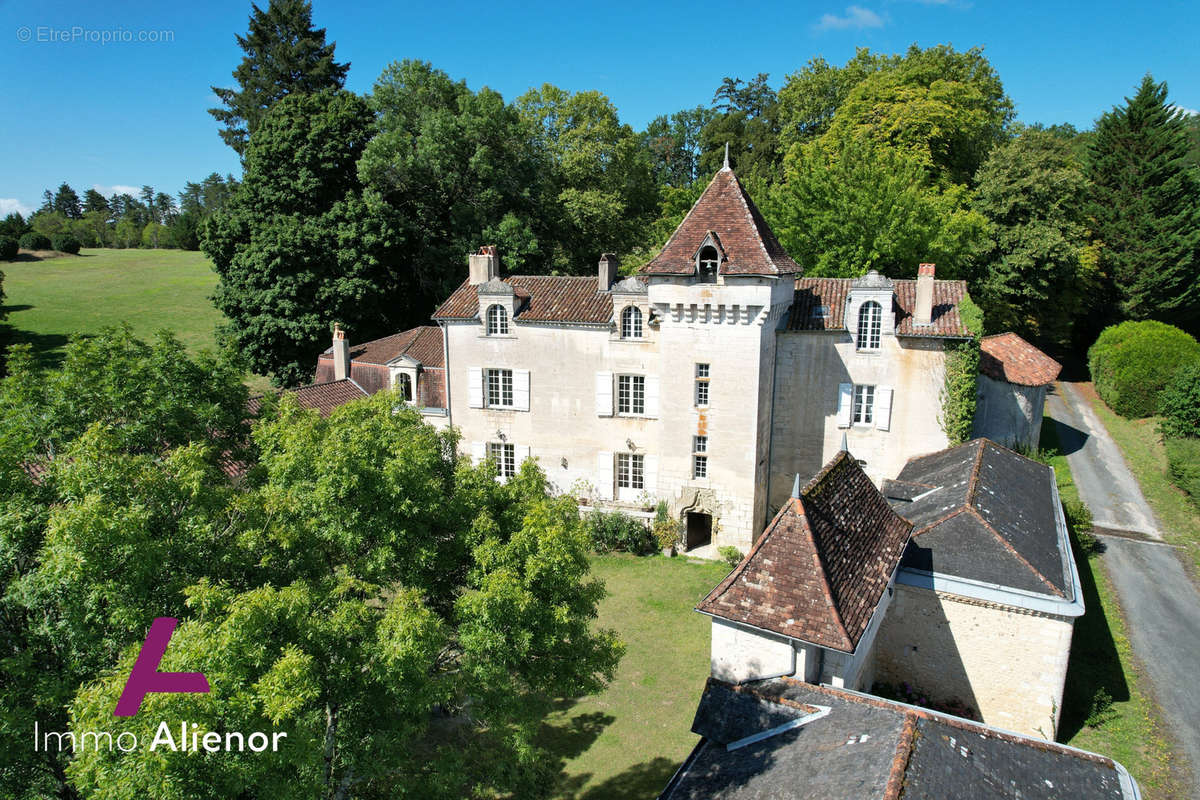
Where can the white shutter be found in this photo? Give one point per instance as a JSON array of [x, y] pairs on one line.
[[478, 452], [883, 408], [604, 475], [520, 390], [604, 400], [522, 454], [845, 404], [651, 395], [650, 473], [475, 387]]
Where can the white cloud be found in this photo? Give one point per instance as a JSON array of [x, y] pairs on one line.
[[856, 17], [10, 204], [117, 188], [1187, 112]]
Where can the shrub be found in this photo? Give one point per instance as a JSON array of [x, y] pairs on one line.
[[35, 241], [1183, 464], [1132, 363], [665, 530], [8, 248], [617, 531], [730, 555], [66, 243], [1079, 521], [1179, 404]]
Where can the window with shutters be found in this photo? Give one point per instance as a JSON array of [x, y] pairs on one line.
[[499, 386], [505, 457], [870, 325], [699, 456], [864, 405], [631, 394], [702, 384], [631, 471], [631, 323], [497, 321]]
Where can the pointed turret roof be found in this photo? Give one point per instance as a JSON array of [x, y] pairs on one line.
[[748, 244]]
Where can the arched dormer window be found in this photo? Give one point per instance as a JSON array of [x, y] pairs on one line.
[[497, 321], [631, 323], [406, 387], [870, 323], [708, 261]]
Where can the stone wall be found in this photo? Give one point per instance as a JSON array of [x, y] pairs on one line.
[[1007, 413], [1008, 664]]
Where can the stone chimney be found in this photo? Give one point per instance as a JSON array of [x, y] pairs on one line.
[[341, 354], [484, 265], [608, 271], [923, 313]]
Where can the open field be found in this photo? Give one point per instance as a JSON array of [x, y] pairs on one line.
[[628, 741], [1102, 666], [52, 299]]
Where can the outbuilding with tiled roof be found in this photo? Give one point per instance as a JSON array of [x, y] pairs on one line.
[[1014, 377]]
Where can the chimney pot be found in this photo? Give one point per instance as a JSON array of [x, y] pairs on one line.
[[341, 354], [608, 271], [923, 313], [484, 265]]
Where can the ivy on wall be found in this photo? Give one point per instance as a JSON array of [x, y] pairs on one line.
[[958, 392]]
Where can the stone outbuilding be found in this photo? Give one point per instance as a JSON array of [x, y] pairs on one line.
[[988, 591], [1011, 392]]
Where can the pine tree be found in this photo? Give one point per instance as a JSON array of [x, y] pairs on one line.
[[1145, 209], [284, 55]]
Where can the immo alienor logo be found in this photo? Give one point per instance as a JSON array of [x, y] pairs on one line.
[[146, 678]]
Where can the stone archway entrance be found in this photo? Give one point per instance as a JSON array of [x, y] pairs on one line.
[[698, 531], [697, 509]]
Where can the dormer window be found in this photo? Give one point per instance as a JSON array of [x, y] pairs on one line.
[[406, 388], [497, 321], [870, 324], [708, 261], [631, 323]]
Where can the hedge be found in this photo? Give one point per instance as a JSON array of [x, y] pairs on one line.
[[35, 241], [1131, 363], [1183, 463], [1179, 403], [8, 248], [617, 531], [66, 243]]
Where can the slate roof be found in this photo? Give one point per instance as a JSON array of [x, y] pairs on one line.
[[830, 293], [321, 397], [866, 748], [424, 344], [540, 298], [819, 570], [992, 516], [748, 244], [1008, 357]]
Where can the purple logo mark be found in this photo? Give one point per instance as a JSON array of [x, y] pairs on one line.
[[146, 678]]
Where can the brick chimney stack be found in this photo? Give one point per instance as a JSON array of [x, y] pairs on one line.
[[484, 265], [608, 271], [923, 313], [341, 354]]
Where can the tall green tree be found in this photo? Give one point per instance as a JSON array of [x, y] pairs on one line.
[[812, 95], [94, 201], [1145, 209], [285, 55], [66, 202], [675, 145], [296, 248], [746, 120], [1032, 191]]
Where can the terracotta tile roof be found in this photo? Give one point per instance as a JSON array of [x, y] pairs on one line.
[[992, 517], [1008, 357], [423, 344], [830, 293], [859, 747], [321, 397], [724, 209], [819, 570], [540, 298]]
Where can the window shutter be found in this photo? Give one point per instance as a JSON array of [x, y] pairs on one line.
[[522, 454], [478, 452], [651, 395], [604, 475], [883, 408], [520, 389], [604, 399], [650, 473], [845, 404], [475, 387]]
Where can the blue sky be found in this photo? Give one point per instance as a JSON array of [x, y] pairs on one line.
[[127, 113]]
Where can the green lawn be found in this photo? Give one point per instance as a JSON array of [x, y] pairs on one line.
[[1102, 663], [52, 299], [628, 741]]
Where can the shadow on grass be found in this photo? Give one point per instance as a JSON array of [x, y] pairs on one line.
[[644, 781], [1094, 673], [48, 348]]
